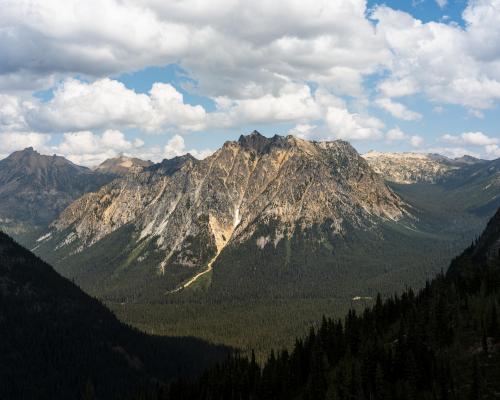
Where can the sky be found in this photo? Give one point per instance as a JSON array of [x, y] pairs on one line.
[[158, 78]]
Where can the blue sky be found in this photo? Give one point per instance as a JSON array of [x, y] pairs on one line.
[[156, 80]]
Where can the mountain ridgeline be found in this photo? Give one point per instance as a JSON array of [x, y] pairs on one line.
[[56, 342], [170, 224], [35, 188], [417, 167]]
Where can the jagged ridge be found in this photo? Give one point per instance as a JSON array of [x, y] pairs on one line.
[[190, 210]]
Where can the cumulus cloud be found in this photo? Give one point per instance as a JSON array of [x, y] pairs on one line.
[[240, 49], [470, 138], [11, 113], [107, 103], [446, 62], [397, 110], [293, 102], [303, 131], [395, 134], [88, 148], [489, 145], [260, 62], [177, 147], [398, 87], [13, 141], [416, 140], [352, 126], [442, 3], [246, 44], [493, 150]]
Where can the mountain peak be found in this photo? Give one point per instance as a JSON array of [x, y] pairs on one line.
[[31, 160], [255, 141], [43, 184], [169, 166], [122, 164], [467, 159]]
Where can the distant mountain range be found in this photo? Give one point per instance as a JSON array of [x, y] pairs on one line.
[[417, 167], [269, 216], [260, 217]]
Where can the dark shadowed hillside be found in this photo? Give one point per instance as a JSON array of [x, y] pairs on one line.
[[56, 342]]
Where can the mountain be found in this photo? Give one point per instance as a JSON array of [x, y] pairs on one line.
[[35, 188], [416, 167], [441, 343], [56, 342], [276, 229], [171, 223], [122, 165]]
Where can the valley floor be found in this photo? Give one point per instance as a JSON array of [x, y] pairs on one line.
[[259, 325]]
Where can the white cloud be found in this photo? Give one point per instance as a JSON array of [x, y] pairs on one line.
[[416, 140], [470, 138], [107, 103], [13, 141], [446, 62], [493, 150], [397, 110], [177, 147], [293, 102], [489, 144], [303, 131], [88, 148], [11, 113], [233, 48], [349, 126], [442, 3], [452, 152], [258, 60], [395, 134], [394, 87], [478, 139]]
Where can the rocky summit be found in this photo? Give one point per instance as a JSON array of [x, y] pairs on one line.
[[35, 188], [122, 165], [183, 213]]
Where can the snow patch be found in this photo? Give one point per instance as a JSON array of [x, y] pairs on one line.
[[44, 237], [237, 217], [262, 241], [70, 238]]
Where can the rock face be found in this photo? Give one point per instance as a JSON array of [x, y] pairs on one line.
[[35, 188], [122, 165], [184, 212], [416, 167]]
